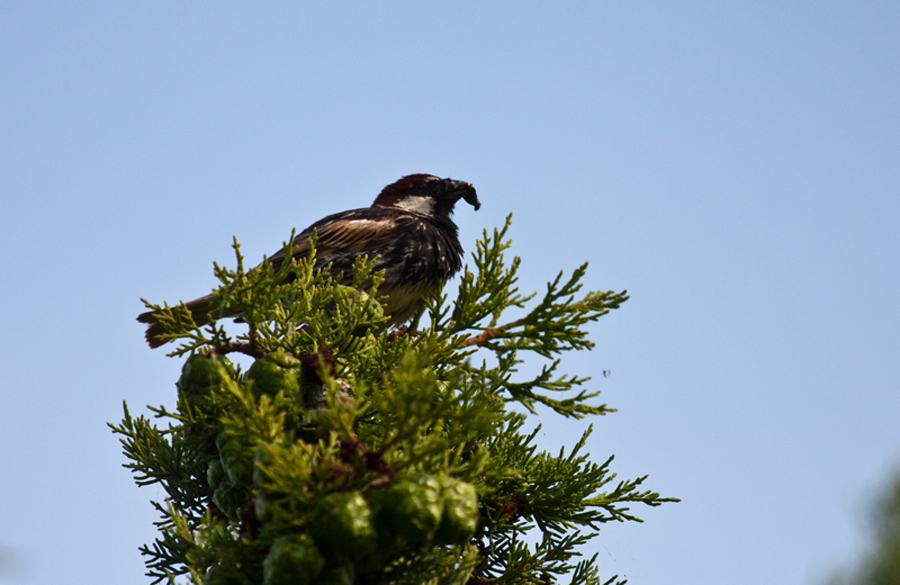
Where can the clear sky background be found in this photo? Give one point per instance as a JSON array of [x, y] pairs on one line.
[[734, 165]]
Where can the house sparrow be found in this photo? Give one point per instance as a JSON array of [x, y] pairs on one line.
[[407, 229]]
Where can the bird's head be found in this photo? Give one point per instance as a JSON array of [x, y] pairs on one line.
[[427, 195]]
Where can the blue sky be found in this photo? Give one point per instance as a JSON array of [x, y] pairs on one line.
[[735, 166]]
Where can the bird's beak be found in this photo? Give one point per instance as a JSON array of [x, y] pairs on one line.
[[467, 192]]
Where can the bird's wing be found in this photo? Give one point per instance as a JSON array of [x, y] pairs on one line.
[[342, 237]]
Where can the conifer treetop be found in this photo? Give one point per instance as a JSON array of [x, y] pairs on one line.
[[350, 454]]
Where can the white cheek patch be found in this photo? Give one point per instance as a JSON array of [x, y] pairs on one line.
[[417, 204]]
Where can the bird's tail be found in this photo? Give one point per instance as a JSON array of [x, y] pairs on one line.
[[199, 308]]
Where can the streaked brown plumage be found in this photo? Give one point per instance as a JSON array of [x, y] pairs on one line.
[[408, 229]]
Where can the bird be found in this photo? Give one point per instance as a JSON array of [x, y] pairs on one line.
[[408, 231]]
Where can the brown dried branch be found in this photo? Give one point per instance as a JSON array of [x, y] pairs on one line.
[[479, 339]]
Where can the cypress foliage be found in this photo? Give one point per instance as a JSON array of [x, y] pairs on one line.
[[347, 454]]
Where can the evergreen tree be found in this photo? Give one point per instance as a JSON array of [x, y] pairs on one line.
[[881, 565], [347, 454]]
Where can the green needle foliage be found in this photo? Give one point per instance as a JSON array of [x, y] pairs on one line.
[[349, 454]]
